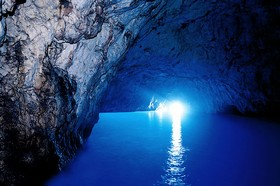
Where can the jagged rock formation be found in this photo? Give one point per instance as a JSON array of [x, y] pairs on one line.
[[56, 59], [218, 56]]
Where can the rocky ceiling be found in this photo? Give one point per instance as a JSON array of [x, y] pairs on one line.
[[217, 56]]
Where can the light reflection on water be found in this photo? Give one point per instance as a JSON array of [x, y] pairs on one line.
[[175, 167], [136, 149]]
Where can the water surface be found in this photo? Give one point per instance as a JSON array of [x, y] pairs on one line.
[[148, 148]]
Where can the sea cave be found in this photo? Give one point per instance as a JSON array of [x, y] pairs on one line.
[[139, 92]]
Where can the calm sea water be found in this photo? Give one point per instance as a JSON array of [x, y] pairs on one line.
[[148, 148]]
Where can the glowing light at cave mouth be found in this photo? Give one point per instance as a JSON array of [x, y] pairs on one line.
[[175, 109]]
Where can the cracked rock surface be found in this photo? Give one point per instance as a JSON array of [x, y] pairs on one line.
[[217, 56], [56, 59]]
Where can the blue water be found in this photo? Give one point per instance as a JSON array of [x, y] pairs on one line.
[[147, 148]]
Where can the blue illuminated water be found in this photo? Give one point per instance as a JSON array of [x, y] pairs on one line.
[[146, 148]]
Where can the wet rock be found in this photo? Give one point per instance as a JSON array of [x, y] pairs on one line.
[[56, 60]]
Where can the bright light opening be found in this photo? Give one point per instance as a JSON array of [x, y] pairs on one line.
[[175, 109]]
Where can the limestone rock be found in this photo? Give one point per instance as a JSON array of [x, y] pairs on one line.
[[56, 60]]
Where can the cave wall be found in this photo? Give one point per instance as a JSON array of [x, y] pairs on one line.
[[216, 56], [56, 59]]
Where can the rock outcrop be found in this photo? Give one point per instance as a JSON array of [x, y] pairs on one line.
[[56, 59], [218, 56]]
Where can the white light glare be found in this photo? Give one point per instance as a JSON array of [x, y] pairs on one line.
[[176, 108]]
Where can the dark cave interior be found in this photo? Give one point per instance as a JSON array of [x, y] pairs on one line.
[[218, 57], [63, 62]]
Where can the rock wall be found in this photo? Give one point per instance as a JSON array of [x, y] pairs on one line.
[[56, 59], [217, 56]]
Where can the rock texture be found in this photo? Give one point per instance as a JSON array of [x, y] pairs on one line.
[[218, 56], [56, 59]]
